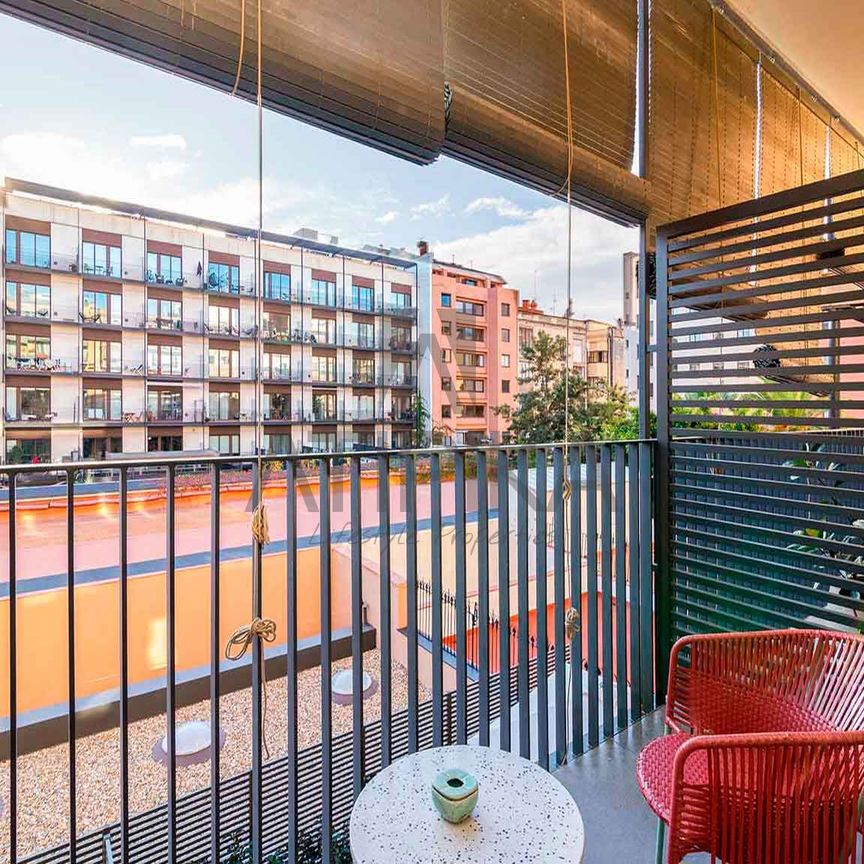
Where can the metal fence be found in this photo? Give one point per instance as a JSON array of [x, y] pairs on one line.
[[447, 495]]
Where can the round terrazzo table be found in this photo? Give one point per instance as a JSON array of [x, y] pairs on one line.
[[523, 814]]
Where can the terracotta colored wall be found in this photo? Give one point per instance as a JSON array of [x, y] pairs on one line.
[[42, 631]]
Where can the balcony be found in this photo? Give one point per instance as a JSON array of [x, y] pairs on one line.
[[50, 365]]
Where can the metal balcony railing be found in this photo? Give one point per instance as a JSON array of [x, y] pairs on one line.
[[511, 654]]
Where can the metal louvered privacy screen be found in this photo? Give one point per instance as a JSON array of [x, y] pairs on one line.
[[761, 413]]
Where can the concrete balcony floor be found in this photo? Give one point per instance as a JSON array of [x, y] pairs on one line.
[[619, 826]]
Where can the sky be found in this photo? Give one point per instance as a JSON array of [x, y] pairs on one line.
[[85, 119]]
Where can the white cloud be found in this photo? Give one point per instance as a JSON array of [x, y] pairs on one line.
[[388, 217], [534, 250], [166, 169], [158, 142], [431, 208], [499, 205]]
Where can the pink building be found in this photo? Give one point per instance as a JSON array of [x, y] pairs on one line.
[[475, 353]]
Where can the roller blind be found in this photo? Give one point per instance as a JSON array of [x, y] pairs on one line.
[[507, 106], [780, 157], [369, 69]]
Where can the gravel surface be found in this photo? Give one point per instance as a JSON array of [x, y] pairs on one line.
[[43, 798]]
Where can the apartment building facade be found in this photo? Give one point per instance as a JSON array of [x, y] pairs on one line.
[[596, 347], [130, 330], [470, 365]]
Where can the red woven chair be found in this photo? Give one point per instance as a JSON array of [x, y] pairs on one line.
[[764, 763]]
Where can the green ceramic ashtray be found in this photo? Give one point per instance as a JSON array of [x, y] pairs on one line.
[[454, 792]]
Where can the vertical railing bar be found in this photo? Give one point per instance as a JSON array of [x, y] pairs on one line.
[[70, 632], [385, 612], [591, 595], [634, 578], [215, 659], [170, 670], [560, 653], [503, 479], [522, 594], [291, 649], [620, 587], [437, 636], [326, 664], [646, 552], [483, 599], [357, 630], [258, 661], [577, 719], [608, 672], [124, 664], [461, 603], [13, 672], [411, 596], [542, 610]]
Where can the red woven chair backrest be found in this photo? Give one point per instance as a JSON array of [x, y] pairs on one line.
[[784, 681]]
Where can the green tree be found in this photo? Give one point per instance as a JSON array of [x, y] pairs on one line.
[[597, 410]]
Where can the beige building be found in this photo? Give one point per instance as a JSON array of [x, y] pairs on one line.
[[128, 330], [596, 347]]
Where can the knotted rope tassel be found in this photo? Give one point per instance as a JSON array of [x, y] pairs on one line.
[[238, 644], [260, 528]]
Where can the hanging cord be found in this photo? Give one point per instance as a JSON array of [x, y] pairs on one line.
[[242, 46], [238, 645], [716, 105]]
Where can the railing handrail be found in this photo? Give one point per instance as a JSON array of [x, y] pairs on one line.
[[250, 458]]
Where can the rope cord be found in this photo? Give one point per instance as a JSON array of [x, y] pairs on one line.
[[714, 60], [236, 648], [242, 46]]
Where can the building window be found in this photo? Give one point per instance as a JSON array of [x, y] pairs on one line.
[[505, 385], [400, 338], [446, 355], [277, 286], [277, 406], [164, 314], [225, 444], [471, 334], [279, 443], [101, 404], [471, 385], [28, 248], [323, 442], [446, 412], [100, 259], [505, 310], [277, 366], [322, 292], [324, 369], [223, 363], [505, 334], [400, 300], [401, 374], [467, 281], [99, 355], [28, 403], [28, 300], [26, 351], [446, 384], [164, 360], [324, 407], [363, 371], [445, 328], [323, 331], [364, 407], [526, 336], [21, 451], [363, 440], [446, 301], [362, 298], [164, 443], [164, 269], [99, 307], [505, 361], [466, 358], [277, 326], [598, 356], [473, 412], [101, 446], [467, 307], [224, 406], [224, 320], [224, 278], [164, 405]]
